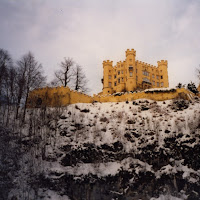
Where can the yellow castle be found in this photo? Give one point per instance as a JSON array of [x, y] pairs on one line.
[[131, 74]]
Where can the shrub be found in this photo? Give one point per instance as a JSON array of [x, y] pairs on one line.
[[144, 108], [85, 110], [130, 121], [179, 104], [135, 103], [77, 107], [103, 119], [191, 86]]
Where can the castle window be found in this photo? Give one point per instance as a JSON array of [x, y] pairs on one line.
[[162, 84], [146, 80], [109, 77], [118, 72], [136, 78], [153, 76], [115, 83], [153, 82], [145, 73], [115, 76], [136, 71], [130, 60], [157, 77], [158, 84], [122, 80], [130, 68], [122, 71], [118, 80], [131, 74], [110, 84], [109, 71], [161, 77]]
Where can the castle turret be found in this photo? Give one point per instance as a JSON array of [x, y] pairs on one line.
[[163, 73], [131, 71], [107, 74]]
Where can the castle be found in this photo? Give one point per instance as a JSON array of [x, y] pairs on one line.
[[131, 75], [128, 75]]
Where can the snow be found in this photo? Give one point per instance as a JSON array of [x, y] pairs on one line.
[[112, 118], [179, 167], [168, 197], [102, 169], [52, 195], [126, 123]]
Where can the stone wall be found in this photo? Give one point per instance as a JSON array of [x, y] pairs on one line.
[[157, 95], [55, 97], [63, 96]]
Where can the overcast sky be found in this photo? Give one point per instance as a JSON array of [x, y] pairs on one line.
[[90, 31]]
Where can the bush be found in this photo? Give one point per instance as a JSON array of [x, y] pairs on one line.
[[85, 110], [180, 104], [103, 119], [191, 86], [130, 121], [135, 103]]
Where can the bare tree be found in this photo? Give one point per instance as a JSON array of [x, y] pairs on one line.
[[198, 73], [30, 76], [10, 90], [64, 76], [80, 80], [5, 63]]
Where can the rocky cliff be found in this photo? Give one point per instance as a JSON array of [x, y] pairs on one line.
[[132, 150]]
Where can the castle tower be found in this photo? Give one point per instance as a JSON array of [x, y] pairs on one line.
[[163, 72], [107, 77], [130, 69]]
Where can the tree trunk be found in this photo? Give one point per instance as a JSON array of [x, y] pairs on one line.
[[24, 114]]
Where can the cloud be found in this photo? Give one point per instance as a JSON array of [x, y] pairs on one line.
[[93, 31]]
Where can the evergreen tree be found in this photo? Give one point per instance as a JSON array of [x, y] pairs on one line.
[[192, 87]]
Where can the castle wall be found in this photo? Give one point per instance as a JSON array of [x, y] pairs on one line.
[[63, 96], [54, 97], [157, 96]]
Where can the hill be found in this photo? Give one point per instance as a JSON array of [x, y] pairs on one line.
[[141, 149]]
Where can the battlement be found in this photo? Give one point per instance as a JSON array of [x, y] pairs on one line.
[[130, 52], [162, 62], [107, 63]]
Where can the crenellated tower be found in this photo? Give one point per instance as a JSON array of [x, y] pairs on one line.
[[130, 69], [107, 77], [163, 72]]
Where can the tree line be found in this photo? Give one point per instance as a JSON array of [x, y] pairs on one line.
[[190, 86], [18, 78]]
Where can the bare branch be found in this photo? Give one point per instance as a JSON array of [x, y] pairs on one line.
[[64, 76], [80, 80]]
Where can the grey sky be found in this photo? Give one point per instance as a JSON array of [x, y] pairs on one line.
[[91, 31]]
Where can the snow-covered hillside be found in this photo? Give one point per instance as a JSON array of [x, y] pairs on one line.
[[129, 150]]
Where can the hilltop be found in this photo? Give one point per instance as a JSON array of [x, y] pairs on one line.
[[140, 149]]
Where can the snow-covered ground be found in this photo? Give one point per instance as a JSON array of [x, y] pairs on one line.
[[147, 140]]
